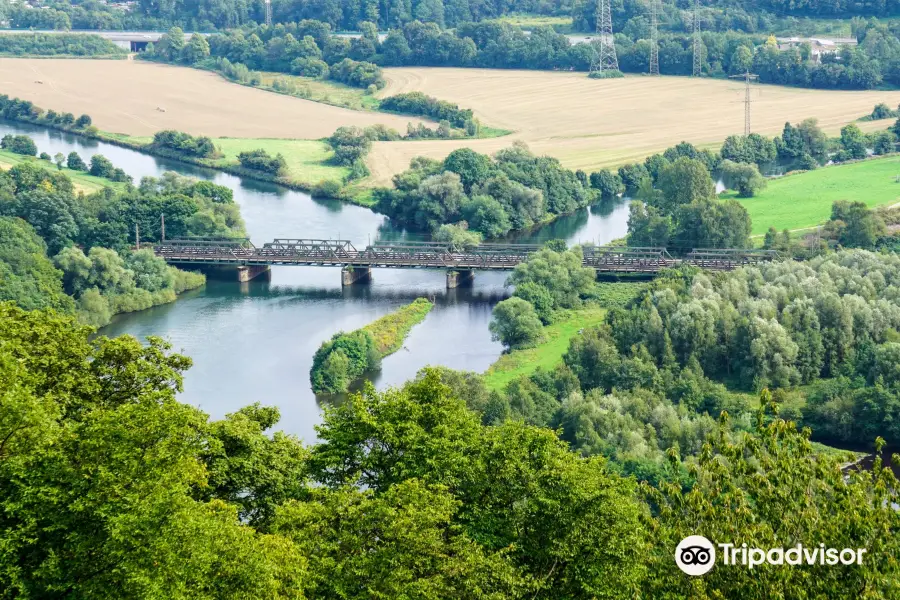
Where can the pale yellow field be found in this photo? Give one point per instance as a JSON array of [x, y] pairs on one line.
[[589, 123], [123, 97]]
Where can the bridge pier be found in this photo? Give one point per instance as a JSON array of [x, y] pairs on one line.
[[351, 275], [463, 278], [247, 272]]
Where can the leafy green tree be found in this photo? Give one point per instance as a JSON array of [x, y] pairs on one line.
[[471, 167], [195, 50], [684, 181], [486, 215], [856, 226], [60, 159], [75, 162], [646, 227], [515, 324], [19, 144], [743, 177], [884, 143], [457, 237], [27, 277], [608, 184], [853, 141], [561, 273], [734, 501]]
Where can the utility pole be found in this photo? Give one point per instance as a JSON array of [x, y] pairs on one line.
[[162, 218], [654, 38], [605, 59], [268, 13], [137, 236], [748, 77], [698, 43]]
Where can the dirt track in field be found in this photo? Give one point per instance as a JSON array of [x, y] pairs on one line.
[[590, 123], [122, 96]]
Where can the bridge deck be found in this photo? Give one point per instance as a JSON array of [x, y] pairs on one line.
[[434, 255]]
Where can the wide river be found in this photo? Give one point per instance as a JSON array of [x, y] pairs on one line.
[[254, 342]]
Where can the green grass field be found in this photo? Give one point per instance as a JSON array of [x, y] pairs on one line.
[[307, 160], [547, 354], [804, 199], [325, 91], [81, 180], [562, 24]]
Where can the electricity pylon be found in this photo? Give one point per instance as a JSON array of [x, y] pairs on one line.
[[748, 77], [654, 38], [698, 43], [269, 13], [605, 59]]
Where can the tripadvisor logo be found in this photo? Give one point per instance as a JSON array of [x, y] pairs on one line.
[[696, 555]]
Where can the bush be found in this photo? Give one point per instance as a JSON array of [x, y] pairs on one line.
[[359, 74], [74, 162], [417, 103], [260, 160], [606, 75], [184, 143], [19, 144], [310, 67], [327, 189]]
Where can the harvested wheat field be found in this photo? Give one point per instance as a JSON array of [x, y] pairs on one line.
[[589, 123], [124, 97]]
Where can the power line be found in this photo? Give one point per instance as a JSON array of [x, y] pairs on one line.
[[698, 43], [605, 59], [654, 38]]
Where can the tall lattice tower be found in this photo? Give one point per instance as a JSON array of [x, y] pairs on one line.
[[605, 58], [654, 38], [698, 43], [269, 13]]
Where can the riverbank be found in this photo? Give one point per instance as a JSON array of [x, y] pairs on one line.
[[347, 357], [82, 181], [545, 355]]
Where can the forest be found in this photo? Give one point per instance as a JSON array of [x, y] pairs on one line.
[[309, 48], [406, 493], [74, 253]]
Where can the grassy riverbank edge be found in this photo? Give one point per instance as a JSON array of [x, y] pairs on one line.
[[81, 180], [390, 331], [548, 353]]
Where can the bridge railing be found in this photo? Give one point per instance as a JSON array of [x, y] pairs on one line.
[[332, 250]]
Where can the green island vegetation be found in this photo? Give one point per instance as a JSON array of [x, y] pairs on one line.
[[68, 242], [347, 356], [466, 503]]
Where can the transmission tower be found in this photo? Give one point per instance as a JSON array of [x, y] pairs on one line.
[[654, 38], [605, 58], [698, 43], [748, 77], [269, 13]]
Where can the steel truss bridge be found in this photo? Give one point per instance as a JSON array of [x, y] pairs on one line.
[[436, 255]]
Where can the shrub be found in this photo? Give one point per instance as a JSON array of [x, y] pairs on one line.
[[342, 359], [260, 160], [359, 74], [19, 144], [184, 143], [417, 103]]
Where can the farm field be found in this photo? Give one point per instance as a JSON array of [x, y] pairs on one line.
[[804, 199], [123, 97], [589, 124]]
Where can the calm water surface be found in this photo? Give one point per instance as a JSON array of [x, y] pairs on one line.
[[254, 342]]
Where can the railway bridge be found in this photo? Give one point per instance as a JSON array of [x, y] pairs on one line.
[[460, 265]]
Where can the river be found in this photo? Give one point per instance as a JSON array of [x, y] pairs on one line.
[[254, 342]]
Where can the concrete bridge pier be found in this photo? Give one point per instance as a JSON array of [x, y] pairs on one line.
[[463, 278], [351, 275], [247, 272]]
